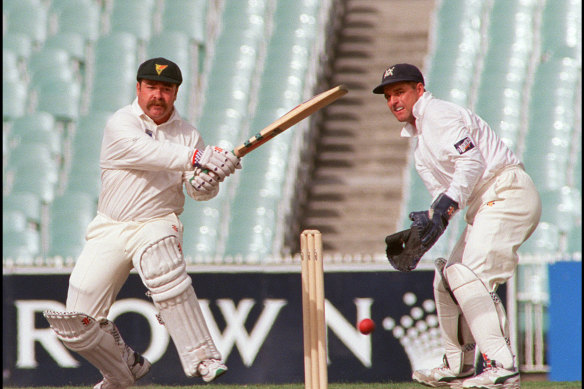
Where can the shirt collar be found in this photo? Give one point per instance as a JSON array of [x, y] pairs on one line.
[[409, 130]]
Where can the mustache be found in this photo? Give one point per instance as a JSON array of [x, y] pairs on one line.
[[160, 103]]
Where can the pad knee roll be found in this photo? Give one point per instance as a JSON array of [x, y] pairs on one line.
[[163, 269]]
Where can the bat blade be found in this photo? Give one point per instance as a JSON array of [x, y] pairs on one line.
[[289, 119]]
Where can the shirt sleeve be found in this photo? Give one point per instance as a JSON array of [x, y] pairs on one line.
[[127, 146]]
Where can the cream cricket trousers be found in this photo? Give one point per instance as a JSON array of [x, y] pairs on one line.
[[499, 219], [107, 258]]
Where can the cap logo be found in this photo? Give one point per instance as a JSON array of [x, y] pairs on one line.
[[160, 68], [388, 72]]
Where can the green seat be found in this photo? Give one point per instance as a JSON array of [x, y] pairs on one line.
[[186, 16], [134, 17], [17, 42], [72, 42], [544, 240], [27, 203], [562, 207], [561, 29], [117, 50], [10, 65], [68, 94], [202, 226], [78, 16], [14, 99], [35, 157], [29, 18], [21, 246], [35, 182], [84, 178], [13, 220], [574, 240], [38, 127], [69, 216]]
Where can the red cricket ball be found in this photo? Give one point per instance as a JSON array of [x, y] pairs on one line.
[[366, 326]]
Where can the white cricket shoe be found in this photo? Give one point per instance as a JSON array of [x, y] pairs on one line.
[[209, 369], [494, 376], [442, 377]]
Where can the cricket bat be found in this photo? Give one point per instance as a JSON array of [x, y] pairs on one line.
[[289, 119]]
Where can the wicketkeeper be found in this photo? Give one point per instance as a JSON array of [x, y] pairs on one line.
[[148, 154], [463, 164]]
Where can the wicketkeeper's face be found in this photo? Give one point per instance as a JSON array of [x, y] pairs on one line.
[[401, 98], [156, 99]]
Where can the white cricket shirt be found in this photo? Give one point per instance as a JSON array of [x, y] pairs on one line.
[[142, 164], [456, 151]]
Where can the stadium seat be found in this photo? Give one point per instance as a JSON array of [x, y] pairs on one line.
[[574, 240], [134, 17], [30, 18], [89, 131], [13, 220], [34, 156], [22, 246], [26, 202], [66, 93], [38, 127], [78, 17], [48, 66], [17, 42], [561, 29], [72, 42], [14, 99], [186, 16], [69, 216], [36, 182], [202, 225], [545, 240], [10, 69], [562, 207], [117, 50]]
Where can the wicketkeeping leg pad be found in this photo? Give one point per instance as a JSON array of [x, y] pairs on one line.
[[163, 271], [82, 333], [483, 312], [458, 341]]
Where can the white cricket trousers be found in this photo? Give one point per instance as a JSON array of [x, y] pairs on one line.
[[107, 258], [499, 219]]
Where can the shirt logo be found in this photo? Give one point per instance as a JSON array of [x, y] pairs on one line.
[[464, 145], [160, 68], [389, 72], [149, 133]]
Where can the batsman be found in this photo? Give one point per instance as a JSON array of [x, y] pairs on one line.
[[464, 165], [148, 155]]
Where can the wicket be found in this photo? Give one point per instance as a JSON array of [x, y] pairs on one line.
[[314, 326]]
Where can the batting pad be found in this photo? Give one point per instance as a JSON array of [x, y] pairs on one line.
[[487, 320], [458, 341], [82, 333], [163, 271]]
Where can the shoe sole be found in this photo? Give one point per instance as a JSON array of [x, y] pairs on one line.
[[218, 374]]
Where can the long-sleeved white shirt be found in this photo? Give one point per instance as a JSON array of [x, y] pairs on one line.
[[456, 151], [142, 164]]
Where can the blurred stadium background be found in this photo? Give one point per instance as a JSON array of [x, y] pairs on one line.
[[69, 64]]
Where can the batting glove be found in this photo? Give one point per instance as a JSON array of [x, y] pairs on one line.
[[216, 160], [432, 223]]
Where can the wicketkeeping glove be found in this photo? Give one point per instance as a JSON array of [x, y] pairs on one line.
[[216, 160], [432, 223], [404, 249]]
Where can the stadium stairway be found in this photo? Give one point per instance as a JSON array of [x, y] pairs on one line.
[[355, 192]]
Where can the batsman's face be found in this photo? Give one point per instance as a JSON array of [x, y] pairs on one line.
[[401, 98], [156, 99]]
